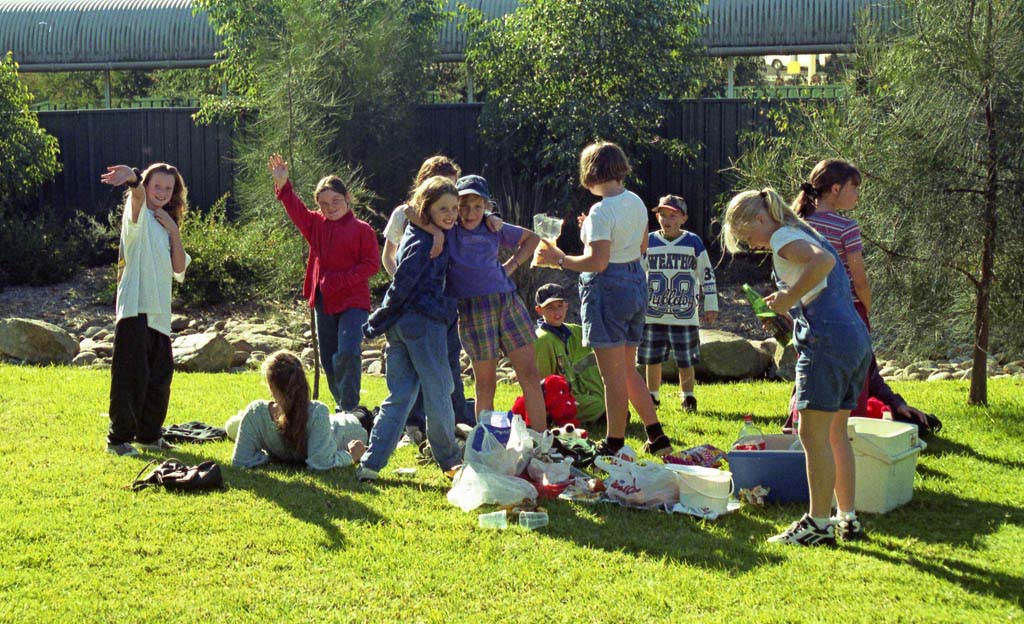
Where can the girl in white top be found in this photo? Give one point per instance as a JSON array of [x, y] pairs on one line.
[[834, 353], [291, 428], [613, 292], [150, 255]]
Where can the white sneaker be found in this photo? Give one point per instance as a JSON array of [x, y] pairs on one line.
[[366, 475], [804, 532]]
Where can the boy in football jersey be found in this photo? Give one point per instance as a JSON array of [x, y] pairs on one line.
[[679, 276]]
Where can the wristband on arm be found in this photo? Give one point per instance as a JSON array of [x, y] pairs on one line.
[[138, 178]]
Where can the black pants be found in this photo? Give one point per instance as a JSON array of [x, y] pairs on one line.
[[140, 381]]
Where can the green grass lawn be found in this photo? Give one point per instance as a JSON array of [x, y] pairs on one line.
[[285, 545]]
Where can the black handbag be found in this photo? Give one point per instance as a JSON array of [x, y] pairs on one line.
[[176, 476]]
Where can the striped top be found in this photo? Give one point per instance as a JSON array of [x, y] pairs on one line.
[[841, 232]]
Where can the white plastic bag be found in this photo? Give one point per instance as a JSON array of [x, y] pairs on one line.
[[492, 456], [547, 472], [639, 484], [474, 486], [520, 444]]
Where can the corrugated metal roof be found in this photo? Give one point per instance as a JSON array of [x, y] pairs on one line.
[[96, 34]]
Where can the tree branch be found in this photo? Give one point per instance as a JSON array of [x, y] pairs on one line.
[[896, 254]]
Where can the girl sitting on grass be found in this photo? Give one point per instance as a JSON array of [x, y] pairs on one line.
[[291, 428]]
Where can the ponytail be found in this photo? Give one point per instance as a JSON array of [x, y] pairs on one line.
[[824, 176], [284, 372], [745, 206]]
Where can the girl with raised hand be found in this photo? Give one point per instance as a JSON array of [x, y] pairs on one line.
[[414, 315], [343, 256], [291, 428], [833, 346], [150, 256]]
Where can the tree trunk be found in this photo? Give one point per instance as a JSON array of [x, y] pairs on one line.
[[982, 311]]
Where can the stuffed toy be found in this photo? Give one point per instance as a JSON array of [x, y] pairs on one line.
[[558, 399]]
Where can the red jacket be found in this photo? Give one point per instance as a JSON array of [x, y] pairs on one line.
[[343, 255]]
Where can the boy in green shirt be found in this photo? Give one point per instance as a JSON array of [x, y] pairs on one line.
[[560, 351]]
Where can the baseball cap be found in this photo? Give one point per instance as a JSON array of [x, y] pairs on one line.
[[473, 185], [548, 293], [672, 202]]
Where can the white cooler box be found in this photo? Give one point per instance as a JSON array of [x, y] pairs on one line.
[[886, 454]]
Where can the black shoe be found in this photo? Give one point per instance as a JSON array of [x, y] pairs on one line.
[[804, 532], [690, 404], [659, 446], [849, 530], [603, 449], [657, 401]]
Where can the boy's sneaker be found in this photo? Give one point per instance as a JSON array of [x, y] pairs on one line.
[[849, 529], [366, 475], [804, 532], [158, 445], [123, 449], [659, 446], [451, 472], [657, 401], [690, 404]]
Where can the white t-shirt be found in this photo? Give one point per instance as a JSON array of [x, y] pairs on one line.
[[789, 272], [621, 219], [396, 225], [145, 285]]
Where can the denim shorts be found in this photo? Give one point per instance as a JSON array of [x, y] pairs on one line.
[[613, 305], [832, 362]]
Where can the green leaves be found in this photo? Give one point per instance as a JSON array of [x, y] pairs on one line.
[[560, 74], [28, 155]]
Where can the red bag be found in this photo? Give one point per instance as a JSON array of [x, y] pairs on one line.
[[558, 400]]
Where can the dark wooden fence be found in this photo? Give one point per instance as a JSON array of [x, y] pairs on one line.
[[91, 139]]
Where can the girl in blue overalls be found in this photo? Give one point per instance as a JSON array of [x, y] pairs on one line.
[[834, 353]]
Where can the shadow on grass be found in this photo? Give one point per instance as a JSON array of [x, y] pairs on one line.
[[319, 503], [733, 542], [942, 518], [940, 446], [970, 577]]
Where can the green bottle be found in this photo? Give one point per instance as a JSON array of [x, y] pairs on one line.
[[780, 329]]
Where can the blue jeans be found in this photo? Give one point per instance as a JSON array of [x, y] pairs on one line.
[[418, 417], [413, 363], [613, 305], [341, 339]]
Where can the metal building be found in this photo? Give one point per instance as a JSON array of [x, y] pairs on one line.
[[67, 35]]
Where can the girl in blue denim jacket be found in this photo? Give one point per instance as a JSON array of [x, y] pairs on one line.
[[613, 292], [414, 314], [833, 347]]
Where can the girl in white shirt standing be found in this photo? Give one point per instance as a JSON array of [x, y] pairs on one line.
[[613, 292], [150, 256]]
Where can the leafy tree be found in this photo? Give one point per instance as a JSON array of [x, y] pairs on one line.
[[560, 74], [28, 155], [332, 87], [935, 121]]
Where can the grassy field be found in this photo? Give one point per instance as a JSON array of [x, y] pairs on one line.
[[286, 545]]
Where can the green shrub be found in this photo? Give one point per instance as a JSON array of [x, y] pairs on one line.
[[233, 262], [42, 248]]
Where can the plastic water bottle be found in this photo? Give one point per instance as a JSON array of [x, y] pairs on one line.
[[750, 438], [781, 331]]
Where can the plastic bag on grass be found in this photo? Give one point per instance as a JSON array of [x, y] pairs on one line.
[[474, 486], [485, 451], [640, 484]]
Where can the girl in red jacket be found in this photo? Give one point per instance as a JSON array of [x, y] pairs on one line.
[[343, 256]]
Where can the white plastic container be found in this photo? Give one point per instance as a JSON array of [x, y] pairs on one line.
[[890, 436], [703, 488], [886, 455]]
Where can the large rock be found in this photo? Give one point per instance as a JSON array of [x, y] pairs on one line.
[[206, 353], [36, 342], [724, 355], [259, 337], [102, 349], [784, 359]]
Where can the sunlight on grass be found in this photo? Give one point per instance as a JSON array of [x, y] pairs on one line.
[[283, 544]]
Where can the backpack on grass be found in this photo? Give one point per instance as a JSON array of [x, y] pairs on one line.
[[176, 476]]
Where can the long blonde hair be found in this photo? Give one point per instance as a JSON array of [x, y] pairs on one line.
[[744, 206]]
